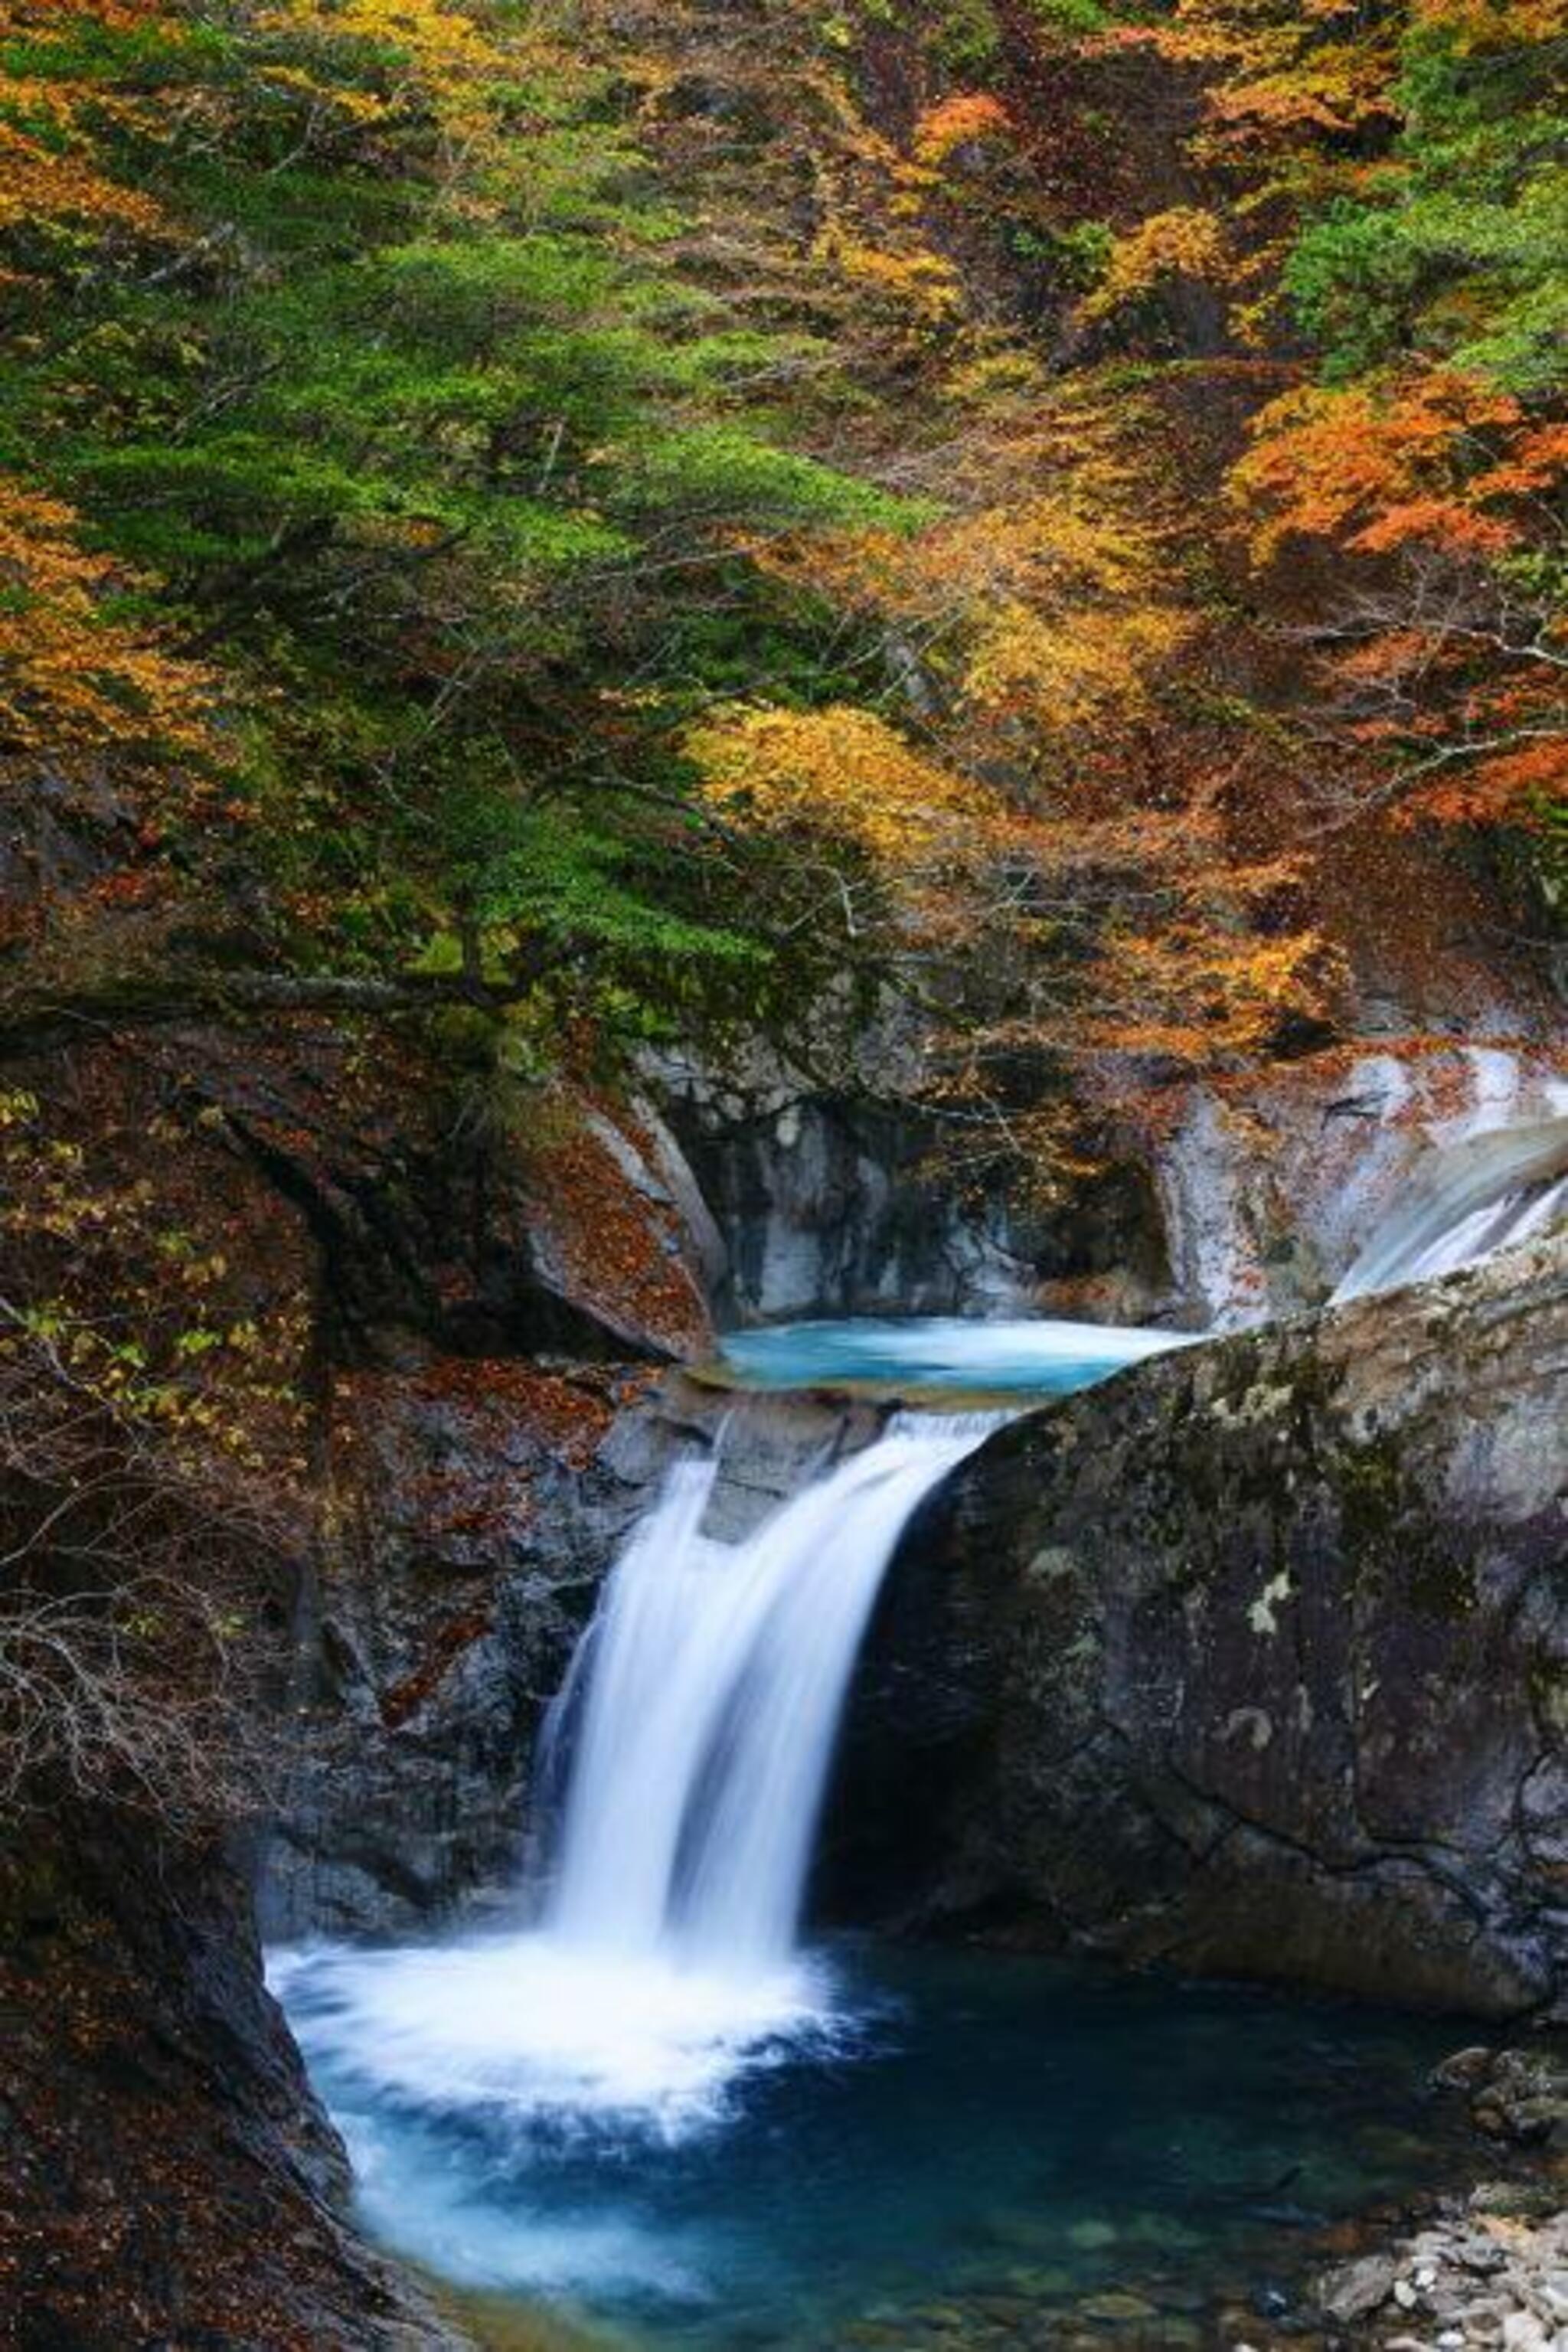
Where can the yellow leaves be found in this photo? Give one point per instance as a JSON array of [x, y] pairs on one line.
[[1050, 610], [72, 678], [1066, 672], [1054, 544], [918, 281], [1292, 95], [1184, 242], [1475, 24], [1201, 994], [422, 56], [1336, 89], [444, 46], [840, 771], [164, 1338], [356, 105]]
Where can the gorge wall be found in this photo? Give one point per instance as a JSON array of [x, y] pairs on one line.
[[166, 2174], [1207, 1205], [1254, 1659]]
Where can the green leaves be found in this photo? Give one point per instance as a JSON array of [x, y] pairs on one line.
[[431, 437], [1459, 249]]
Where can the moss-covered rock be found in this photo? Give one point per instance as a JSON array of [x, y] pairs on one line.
[[1255, 1658]]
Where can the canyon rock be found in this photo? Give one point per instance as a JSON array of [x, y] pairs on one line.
[[1253, 1659]]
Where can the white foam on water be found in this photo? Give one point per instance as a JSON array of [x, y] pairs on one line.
[[449, 2217], [532, 2028], [698, 1723]]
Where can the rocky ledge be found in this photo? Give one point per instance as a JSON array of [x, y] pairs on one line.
[[1489, 2270], [1252, 1660], [1477, 2276]]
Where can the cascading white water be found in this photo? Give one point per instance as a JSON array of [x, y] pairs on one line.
[[715, 1680], [1488, 1193], [697, 1728]]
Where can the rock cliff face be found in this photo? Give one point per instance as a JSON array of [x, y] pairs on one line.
[[1255, 1659], [166, 2177], [1268, 1197], [829, 1205]]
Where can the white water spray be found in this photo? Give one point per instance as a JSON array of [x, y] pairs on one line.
[[715, 1680], [697, 1729], [1485, 1193]]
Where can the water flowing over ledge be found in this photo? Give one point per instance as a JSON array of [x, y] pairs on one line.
[[1489, 1193], [694, 1735]]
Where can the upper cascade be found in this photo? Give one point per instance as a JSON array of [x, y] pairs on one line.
[[1485, 1193]]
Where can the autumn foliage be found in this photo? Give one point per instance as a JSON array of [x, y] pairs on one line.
[[635, 523]]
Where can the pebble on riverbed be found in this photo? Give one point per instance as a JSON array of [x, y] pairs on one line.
[[1493, 2271], [1478, 2278]]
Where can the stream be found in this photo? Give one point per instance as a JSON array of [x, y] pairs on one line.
[[654, 2112]]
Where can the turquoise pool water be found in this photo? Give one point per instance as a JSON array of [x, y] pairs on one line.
[[1037, 1357], [928, 2147]]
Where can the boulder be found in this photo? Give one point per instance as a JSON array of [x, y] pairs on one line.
[[1252, 1659]]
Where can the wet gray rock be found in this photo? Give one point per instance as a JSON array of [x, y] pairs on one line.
[[474, 1510], [1250, 1659], [1359, 2288], [1269, 1199], [1520, 2096], [828, 1202]]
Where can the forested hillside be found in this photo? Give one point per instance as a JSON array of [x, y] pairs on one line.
[[615, 517]]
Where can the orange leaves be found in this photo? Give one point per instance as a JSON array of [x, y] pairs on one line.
[[1452, 671], [51, 171], [1380, 465], [1201, 995], [41, 183], [1536, 461], [73, 676], [957, 122], [1511, 786]]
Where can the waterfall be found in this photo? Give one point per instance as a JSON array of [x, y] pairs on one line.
[[1484, 1193], [702, 1718], [693, 1735]]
